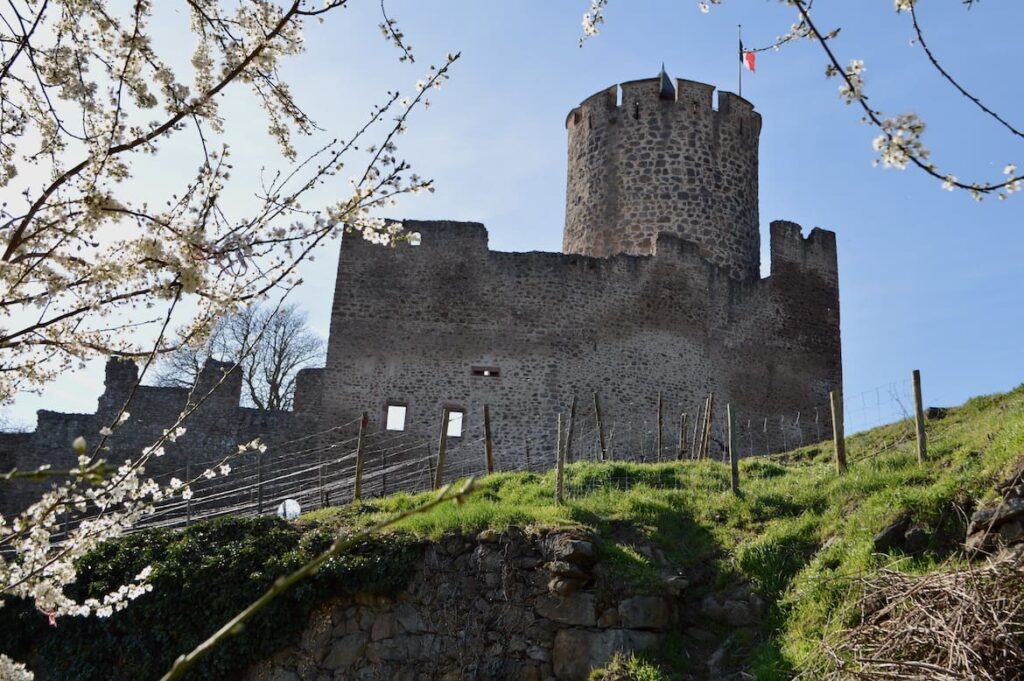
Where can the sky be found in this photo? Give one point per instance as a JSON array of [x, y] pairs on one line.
[[929, 279]]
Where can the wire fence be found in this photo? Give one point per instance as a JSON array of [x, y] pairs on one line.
[[318, 470]]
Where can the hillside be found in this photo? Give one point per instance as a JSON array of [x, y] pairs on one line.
[[799, 544]]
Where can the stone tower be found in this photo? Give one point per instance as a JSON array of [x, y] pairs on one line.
[[650, 156]]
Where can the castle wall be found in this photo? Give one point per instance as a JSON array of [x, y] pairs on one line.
[[410, 324], [215, 429], [652, 164]]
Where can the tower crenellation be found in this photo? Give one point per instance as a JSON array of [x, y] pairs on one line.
[[652, 156]]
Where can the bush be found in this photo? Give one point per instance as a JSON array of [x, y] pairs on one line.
[[202, 577]]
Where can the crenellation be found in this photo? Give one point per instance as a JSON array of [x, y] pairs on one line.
[[690, 93], [448, 234], [814, 254], [730, 104], [309, 386]]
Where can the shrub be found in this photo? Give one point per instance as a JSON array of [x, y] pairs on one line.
[[202, 576]]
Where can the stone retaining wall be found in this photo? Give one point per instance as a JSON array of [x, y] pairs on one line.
[[491, 606]]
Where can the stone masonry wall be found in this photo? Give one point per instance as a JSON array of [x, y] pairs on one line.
[[215, 429], [664, 162], [521, 605], [413, 325], [510, 606]]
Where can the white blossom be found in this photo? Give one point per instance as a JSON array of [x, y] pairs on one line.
[[13, 671], [97, 269]]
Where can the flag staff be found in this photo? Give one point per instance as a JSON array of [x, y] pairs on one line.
[[739, 62]]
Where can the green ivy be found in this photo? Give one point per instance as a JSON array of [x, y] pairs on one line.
[[202, 576]]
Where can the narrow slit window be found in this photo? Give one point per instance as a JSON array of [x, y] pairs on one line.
[[486, 372], [396, 417], [455, 423]]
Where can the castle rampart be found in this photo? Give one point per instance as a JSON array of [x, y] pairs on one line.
[[550, 326], [216, 428], [662, 160]]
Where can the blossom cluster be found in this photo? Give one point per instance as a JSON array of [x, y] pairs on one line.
[[900, 143]]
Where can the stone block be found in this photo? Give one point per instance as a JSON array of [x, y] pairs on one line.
[[577, 609], [577, 651], [645, 612], [345, 651]]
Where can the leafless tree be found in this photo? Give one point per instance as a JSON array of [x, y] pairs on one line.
[[285, 346]]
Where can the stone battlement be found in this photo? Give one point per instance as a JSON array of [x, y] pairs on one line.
[[791, 252], [686, 97]]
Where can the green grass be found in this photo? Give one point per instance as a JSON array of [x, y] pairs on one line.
[[798, 531]]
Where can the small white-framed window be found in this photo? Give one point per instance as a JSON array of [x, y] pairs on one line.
[[455, 422], [486, 372], [395, 416]]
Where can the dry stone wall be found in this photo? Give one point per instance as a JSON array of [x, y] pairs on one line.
[[540, 604], [490, 606]]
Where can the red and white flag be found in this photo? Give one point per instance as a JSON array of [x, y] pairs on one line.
[[748, 58]]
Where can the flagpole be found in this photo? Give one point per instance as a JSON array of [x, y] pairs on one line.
[[739, 62]]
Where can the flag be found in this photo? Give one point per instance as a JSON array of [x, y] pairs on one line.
[[748, 59]]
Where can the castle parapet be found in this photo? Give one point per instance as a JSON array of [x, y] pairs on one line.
[[309, 386], [816, 253], [688, 96], [433, 235], [219, 384], [120, 376]]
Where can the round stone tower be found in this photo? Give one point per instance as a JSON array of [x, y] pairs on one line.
[[651, 156]]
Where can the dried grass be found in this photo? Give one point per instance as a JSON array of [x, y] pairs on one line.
[[948, 625]]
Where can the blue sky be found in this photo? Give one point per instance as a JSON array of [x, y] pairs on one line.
[[929, 279]]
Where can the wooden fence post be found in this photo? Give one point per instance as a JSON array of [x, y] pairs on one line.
[[600, 427], [569, 430], [357, 493], [488, 444], [442, 446], [734, 456], [697, 423], [559, 464], [836, 402], [681, 454], [259, 483], [658, 443], [922, 445], [320, 478], [188, 502], [709, 423], [767, 445]]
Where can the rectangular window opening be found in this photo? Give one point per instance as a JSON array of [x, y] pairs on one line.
[[395, 417], [486, 372], [455, 423]]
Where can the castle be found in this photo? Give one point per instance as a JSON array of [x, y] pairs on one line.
[[656, 299]]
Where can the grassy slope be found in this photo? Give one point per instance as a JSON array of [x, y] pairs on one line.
[[799, 532]]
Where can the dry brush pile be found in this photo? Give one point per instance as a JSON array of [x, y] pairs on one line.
[[948, 625]]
